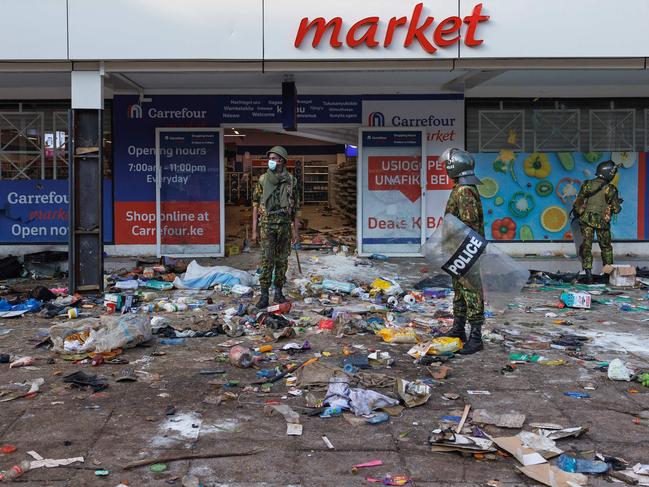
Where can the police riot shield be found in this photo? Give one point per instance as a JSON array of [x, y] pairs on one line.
[[577, 237], [467, 256]]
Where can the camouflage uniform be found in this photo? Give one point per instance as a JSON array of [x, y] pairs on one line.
[[464, 203], [275, 234], [595, 209]]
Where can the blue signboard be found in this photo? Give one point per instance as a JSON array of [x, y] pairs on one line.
[[237, 109], [329, 109], [36, 211], [134, 137]]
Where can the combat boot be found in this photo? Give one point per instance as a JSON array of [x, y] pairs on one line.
[[589, 277], [475, 340], [263, 300], [279, 296], [458, 330]]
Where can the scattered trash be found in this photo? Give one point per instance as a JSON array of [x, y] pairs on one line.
[[577, 394], [571, 464], [240, 356], [617, 370], [370, 464], [576, 299], [22, 362], [508, 420]]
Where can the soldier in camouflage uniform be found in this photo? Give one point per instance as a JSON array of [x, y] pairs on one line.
[[276, 201], [595, 204], [464, 203]]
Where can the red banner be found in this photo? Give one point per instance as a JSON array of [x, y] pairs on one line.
[[395, 173], [183, 222], [436, 177]]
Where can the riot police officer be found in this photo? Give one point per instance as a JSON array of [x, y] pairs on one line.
[[465, 204], [595, 204]]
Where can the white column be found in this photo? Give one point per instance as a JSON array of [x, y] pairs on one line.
[[87, 90]]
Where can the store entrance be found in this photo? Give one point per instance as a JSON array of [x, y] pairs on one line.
[[326, 174]]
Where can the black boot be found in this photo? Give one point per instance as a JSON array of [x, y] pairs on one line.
[[279, 296], [263, 300], [589, 277], [475, 340], [458, 330]]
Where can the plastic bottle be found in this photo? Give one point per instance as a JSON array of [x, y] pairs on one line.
[[572, 464], [378, 418], [15, 471], [331, 411], [378, 257], [280, 308], [338, 286]]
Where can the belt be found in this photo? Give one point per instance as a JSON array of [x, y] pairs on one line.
[[278, 213]]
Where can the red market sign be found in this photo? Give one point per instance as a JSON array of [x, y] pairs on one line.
[[417, 28]]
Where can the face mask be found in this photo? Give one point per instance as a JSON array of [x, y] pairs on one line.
[[272, 165]]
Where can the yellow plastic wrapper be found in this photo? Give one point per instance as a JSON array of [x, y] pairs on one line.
[[436, 346], [381, 284], [393, 335]]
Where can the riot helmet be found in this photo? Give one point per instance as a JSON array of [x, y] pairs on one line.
[[460, 166], [606, 170]]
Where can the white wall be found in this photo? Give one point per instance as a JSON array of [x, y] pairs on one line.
[[562, 29], [165, 29], [33, 30]]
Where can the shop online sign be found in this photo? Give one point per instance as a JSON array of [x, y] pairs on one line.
[[418, 29]]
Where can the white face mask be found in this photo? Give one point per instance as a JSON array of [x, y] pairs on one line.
[[272, 164]]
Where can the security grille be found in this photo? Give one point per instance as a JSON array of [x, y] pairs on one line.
[[612, 130], [556, 130], [22, 152], [501, 129]]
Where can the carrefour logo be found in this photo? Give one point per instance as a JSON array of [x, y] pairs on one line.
[[376, 119], [134, 111]]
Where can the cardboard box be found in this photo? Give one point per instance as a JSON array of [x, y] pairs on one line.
[[620, 275], [576, 299]]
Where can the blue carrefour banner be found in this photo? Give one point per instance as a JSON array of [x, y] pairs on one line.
[[36, 211]]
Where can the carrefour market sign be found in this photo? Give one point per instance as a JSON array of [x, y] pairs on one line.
[[424, 31]]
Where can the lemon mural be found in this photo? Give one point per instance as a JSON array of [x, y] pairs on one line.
[[488, 188], [529, 196]]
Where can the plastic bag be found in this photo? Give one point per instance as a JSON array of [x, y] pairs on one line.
[[393, 335], [388, 286], [436, 346], [462, 253], [617, 370], [199, 277], [101, 335]]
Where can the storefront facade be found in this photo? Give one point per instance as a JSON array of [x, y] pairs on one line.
[[539, 103]]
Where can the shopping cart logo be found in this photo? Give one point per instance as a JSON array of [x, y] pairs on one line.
[[376, 119], [134, 111]]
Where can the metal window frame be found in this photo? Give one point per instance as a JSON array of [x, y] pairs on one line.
[[520, 147], [39, 153], [630, 112], [576, 145]]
